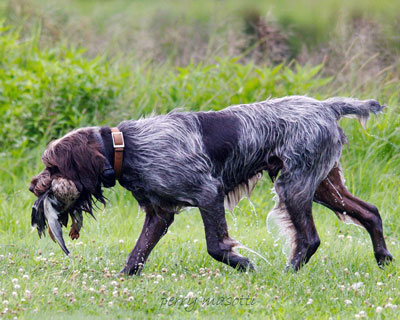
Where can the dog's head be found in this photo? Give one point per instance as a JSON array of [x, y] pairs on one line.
[[78, 158]]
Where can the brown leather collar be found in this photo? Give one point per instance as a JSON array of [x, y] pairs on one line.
[[119, 145]]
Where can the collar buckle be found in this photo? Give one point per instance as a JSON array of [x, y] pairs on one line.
[[118, 139]]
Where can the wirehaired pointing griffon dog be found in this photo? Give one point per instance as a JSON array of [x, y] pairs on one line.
[[210, 160]]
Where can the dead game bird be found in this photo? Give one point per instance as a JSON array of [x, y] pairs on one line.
[[51, 210]]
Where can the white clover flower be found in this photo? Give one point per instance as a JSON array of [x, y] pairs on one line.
[[28, 294], [347, 302], [378, 309], [357, 285]]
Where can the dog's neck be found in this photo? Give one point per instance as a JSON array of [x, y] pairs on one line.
[[105, 140]]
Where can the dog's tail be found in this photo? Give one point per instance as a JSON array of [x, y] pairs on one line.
[[349, 107]]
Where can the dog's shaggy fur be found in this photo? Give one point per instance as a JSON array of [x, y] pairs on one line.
[[210, 160]]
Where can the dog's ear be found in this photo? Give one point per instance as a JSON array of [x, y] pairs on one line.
[[77, 157]]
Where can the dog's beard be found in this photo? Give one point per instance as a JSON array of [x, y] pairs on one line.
[[53, 208]]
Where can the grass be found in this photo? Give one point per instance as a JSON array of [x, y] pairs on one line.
[[48, 87], [50, 285]]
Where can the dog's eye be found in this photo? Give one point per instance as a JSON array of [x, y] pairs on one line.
[[53, 170]]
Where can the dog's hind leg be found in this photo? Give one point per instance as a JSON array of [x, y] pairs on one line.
[[333, 194], [219, 245], [295, 211], [155, 226]]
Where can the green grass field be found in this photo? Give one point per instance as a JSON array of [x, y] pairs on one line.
[[54, 79]]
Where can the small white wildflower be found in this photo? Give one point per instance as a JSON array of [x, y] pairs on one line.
[[379, 284], [28, 294], [121, 241], [14, 281], [362, 314], [20, 270], [340, 236], [115, 293], [190, 295], [378, 309], [110, 303], [14, 293], [25, 277], [357, 285], [17, 286], [347, 302], [5, 302], [310, 301]]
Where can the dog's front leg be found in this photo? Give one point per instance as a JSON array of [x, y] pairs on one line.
[[155, 226], [219, 244]]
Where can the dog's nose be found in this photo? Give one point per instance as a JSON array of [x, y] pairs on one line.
[[31, 188]]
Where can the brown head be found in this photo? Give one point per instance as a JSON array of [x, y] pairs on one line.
[[76, 157]]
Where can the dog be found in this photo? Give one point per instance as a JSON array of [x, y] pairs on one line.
[[211, 160]]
